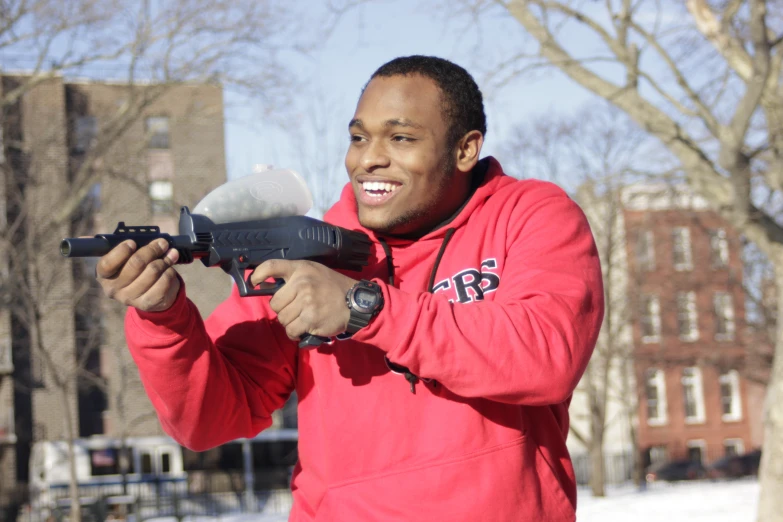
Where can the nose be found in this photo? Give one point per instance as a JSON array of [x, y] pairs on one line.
[[374, 156]]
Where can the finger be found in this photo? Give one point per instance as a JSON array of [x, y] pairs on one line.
[[110, 264], [145, 281], [289, 313], [273, 268], [295, 329], [283, 297], [162, 294], [138, 262]]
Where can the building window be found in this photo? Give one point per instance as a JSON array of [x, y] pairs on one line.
[[94, 196], [731, 405], [732, 447], [162, 196], [165, 462], [687, 324], [658, 454], [683, 260], [645, 250], [693, 395], [719, 248], [3, 225], [655, 395], [696, 450], [651, 319], [160, 165], [6, 356], [39, 431], [104, 462], [157, 128], [724, 316], [146, 463], [85, 129], [37, 373], [7, 429]]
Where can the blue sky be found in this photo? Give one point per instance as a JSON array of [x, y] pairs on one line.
[[363, 40]]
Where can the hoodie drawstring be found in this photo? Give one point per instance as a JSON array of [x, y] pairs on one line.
[[389, 263], [446, 239], [397, 368]]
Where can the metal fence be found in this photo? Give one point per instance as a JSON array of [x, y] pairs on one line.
[[164, 501], [618, 468]]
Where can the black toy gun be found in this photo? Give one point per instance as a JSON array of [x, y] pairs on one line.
[[239, 246]]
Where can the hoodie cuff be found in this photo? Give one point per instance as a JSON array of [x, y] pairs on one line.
[[174, 323]]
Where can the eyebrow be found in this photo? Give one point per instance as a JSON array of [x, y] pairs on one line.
[[395, 122]]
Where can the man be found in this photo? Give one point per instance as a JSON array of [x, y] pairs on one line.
[[445, 395]]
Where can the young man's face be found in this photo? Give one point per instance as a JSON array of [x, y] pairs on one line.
[[400, 166]]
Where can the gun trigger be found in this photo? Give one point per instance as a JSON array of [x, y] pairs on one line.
[[268, 288], [236, 274]]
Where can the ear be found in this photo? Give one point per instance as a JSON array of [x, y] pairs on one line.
[[468, 150]]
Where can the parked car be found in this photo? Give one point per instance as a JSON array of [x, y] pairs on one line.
[[735, 466], [676, 470]]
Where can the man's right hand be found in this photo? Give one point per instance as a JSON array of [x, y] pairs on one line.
[[144, 279]]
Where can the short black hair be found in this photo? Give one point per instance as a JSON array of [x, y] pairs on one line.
[[463, 104]]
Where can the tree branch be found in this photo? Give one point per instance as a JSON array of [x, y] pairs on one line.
[[757, 82], [703, 176], [614, 45], [703, 173], [578, 435], [730, 48], [732, 155], [702, 111]]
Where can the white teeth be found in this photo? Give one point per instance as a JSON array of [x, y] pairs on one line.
[[376, 186]]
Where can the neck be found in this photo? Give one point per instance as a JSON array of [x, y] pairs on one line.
[[473, 182]]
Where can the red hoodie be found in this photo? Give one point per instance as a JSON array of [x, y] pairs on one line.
[[500, 345]]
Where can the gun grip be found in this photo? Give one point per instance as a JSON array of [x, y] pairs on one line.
[[308, 341]]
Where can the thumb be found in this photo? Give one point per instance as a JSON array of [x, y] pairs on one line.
[[273, 268]]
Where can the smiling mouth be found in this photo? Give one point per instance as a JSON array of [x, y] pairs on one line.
[[378, 189]]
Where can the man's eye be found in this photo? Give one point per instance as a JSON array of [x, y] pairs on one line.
[[402, 138], [355, 138]]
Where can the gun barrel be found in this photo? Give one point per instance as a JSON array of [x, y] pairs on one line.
[[84, 247]]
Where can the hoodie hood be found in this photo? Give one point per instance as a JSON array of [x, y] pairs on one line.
[[345, 212]]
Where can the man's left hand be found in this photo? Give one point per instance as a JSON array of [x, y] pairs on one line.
[[312, 299]]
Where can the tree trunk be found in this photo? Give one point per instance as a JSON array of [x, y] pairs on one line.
[[631, 405], [597, 470], [771, 471], [124, 458], [76, 507]]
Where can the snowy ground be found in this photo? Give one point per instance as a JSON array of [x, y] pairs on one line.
[[733, 501]]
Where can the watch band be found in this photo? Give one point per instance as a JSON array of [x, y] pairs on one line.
[[357, 321]]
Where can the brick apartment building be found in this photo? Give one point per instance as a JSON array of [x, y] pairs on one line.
[[677, 305], [172, 154], [691, 347]]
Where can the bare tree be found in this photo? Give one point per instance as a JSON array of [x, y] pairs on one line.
[[147, 49], [320, 136], [596, 151], [704, 78]]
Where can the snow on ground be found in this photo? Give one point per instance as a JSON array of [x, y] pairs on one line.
[[241, 517], [731, 501]]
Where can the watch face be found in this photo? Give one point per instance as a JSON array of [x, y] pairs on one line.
[[365, 300]]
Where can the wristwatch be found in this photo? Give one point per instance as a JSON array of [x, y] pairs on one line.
[[364, 300]]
